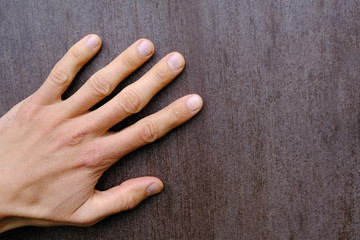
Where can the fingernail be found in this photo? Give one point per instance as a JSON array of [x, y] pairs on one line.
[[194, 102], [153, 189], [176, 61], [145, 48], [93, 41]]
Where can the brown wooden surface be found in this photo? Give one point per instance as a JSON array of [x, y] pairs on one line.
[[274, 154]]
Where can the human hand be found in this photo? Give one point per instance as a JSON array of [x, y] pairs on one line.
[[53, 151]]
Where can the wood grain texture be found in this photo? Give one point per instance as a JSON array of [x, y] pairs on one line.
[[274, 154]]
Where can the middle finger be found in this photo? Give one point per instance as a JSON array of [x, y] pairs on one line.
[[103, 82], [135, 96]]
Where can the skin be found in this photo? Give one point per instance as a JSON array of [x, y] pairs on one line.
[[53, 151]]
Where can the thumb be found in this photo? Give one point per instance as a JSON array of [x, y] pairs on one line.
[[117, 199]]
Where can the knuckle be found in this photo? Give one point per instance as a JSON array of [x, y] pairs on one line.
[[59, 76], [148, 132], [99, 86], [42, 118], [73, 139], [76, 55], [129, 62], [129, 102], [161, 76], [179, 114], [129, 202], [91, 156], [27, 113]]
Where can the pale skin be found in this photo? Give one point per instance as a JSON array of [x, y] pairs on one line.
[[53, 151]]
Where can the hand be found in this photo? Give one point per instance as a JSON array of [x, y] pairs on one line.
[[52, 152]]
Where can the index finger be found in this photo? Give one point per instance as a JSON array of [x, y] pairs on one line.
[[65, 70]]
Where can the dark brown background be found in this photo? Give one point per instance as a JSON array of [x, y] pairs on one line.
[[274, 154]]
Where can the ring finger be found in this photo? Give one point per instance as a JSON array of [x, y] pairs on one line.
[[103, 82], [151, 128], [135, 96]]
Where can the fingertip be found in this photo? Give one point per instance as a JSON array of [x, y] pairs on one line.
[[179, 55], [145, 47], [194, 102], [95, 35], [93, 40], [176, 61], [154, 188], [147, 40]]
